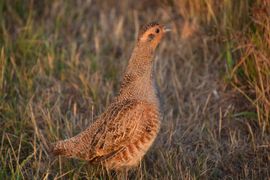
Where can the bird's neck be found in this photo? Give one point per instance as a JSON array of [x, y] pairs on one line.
[[138, 81], [141, 61]]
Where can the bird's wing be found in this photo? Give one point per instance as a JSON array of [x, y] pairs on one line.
[[115, 129], [121, 121]]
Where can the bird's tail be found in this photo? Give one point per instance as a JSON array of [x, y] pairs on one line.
[[63, 148]]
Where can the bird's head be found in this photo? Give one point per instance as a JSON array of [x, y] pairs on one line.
[[151, 34]]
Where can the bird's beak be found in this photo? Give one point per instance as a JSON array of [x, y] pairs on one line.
[[166, 29]]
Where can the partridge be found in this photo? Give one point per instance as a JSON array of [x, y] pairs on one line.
[[120, 137]]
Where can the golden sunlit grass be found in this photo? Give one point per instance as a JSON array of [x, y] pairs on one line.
[[252, 71], [61, 63]]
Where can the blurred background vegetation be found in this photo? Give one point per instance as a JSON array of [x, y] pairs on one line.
[[61, 62]]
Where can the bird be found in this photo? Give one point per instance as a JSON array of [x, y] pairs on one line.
[[120, 136]]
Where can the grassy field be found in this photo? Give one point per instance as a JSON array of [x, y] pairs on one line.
[[61, 62]]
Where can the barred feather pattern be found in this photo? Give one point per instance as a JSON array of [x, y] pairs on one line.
[[119, 137]]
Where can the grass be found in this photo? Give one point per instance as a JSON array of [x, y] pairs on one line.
[[61, 63]]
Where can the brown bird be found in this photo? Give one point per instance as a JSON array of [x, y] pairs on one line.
[[119, 137]]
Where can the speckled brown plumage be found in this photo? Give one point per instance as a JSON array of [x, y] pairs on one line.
[[121, 136]]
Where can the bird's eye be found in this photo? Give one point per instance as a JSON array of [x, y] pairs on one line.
[[157, 30]]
